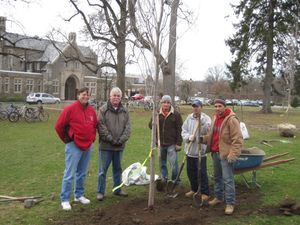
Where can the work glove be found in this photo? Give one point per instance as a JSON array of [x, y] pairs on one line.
[[177, 148], [231, 158], [192, 138]]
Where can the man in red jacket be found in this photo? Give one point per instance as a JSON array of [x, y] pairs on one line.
[[225, 141], [76, 127]]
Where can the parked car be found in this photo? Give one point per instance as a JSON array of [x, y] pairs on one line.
[[137, 97], [41, 98]]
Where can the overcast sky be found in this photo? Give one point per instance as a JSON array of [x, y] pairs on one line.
[[198, 48]]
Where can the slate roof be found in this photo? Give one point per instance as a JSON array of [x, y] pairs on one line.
[[35, 43]]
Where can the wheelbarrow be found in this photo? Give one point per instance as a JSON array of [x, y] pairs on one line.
[[253, 159]]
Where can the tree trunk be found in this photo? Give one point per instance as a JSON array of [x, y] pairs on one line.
[[169, 78], [121, 45], [269, 70], [121, 67]]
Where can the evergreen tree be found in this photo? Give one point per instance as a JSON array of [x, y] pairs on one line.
[[260, 44]]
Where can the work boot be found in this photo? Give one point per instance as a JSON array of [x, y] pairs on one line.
[[121, 193], [100, 196], [214, 202], [229, 209], [204, 198], [189, 194]]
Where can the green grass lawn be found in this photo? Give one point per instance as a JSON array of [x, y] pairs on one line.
[[32, 163]]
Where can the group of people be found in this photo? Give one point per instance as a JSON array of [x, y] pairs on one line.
[[77, 126], [221, 136]]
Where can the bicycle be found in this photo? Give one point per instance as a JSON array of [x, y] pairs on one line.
[[148, 105], [3, 113], [19, 112], [38, 114]]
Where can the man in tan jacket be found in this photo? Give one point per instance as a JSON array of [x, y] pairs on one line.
[[225, 141]]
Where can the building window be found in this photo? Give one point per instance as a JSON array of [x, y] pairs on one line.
[[39, 86], [92, 87], [77, 65], [6, 84], [55, 85], [29, 85], [17, 85], [10, 59], [38, 68], [29, 67]]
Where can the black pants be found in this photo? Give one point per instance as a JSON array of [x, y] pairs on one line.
[[192, 172]]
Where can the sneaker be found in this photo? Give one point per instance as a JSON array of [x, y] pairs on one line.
[[100, 196], [121, 193], [66, 206], [214, 202], [189, 194], [229, 209], [204, 198], [82, 200]]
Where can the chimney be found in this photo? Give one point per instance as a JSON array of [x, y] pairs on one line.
[[2, 24], [72, 37]]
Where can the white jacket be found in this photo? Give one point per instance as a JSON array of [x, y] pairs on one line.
[[187, 130]]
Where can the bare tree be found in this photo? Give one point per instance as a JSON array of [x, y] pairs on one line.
[[216, 81], [143, 28], [108, 26]]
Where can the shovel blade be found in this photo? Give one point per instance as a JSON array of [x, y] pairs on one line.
[[197, 200], [160, 185]]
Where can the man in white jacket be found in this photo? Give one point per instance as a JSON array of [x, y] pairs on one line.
[[190, 133]]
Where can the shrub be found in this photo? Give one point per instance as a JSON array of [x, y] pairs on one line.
[[15, 98], [295, 102]]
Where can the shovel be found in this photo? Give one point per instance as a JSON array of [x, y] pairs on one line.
[[173, 183], [197, 196], [28, 203]]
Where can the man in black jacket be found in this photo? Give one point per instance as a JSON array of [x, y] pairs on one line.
[[170, 123]]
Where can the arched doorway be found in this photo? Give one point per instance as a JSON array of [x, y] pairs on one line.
[[70, 89]]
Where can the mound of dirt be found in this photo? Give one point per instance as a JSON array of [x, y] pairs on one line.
[[168, 211]]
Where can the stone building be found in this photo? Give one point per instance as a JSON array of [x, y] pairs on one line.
[[31, 64]]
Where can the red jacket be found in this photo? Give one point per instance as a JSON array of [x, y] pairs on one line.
[[77, 123]]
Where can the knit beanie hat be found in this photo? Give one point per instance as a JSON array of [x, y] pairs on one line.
[[166, 98], [220, 101]]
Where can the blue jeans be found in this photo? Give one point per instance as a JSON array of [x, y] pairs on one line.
[[76, 163], [224, 179], [169, 153], [105, 158], [192, 172]]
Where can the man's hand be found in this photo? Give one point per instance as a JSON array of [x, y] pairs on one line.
[[231, 158], [116, 143], [177, 148], [192, 138], [201, 139]]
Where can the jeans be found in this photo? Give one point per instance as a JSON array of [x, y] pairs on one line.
[[76, 163], [192, 172], [169, 153], [224, 179], [105, 158]]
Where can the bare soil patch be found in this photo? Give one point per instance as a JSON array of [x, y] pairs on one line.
[[169, 211]]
